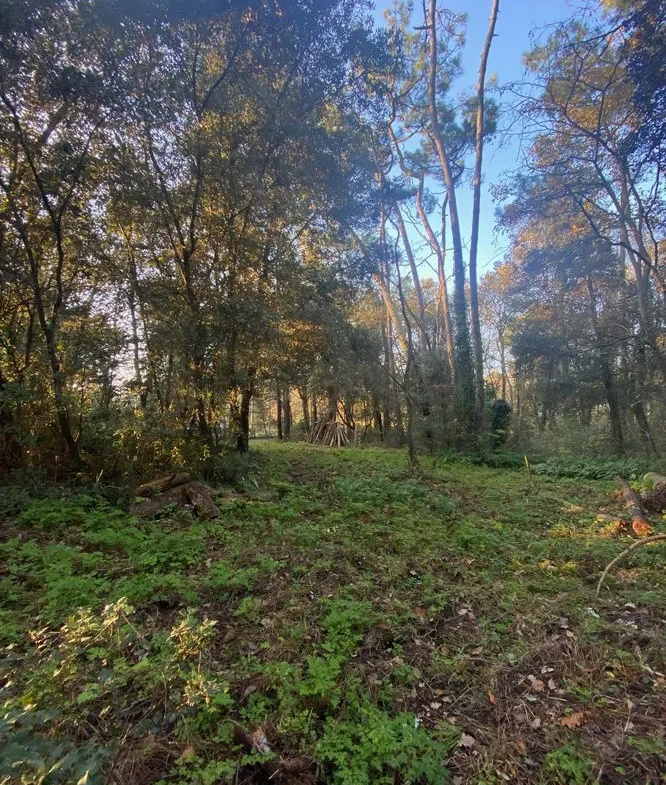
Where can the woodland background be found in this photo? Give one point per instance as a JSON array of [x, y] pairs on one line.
[[225, 218]]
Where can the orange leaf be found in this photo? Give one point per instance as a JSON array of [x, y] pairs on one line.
[[492, 698], [574, 720]]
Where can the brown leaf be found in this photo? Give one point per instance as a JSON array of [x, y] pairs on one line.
[[536, 684], [574, 720], [230, 635], [466, 740], [492, 698]]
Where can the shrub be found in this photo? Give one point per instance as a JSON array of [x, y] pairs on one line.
[[593, 469], [368, 747]]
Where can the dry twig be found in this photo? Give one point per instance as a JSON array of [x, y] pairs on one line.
[[631, 548]]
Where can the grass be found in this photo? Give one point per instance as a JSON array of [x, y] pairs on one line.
[[365, 624]]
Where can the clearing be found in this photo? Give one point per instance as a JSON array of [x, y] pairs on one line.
[[349, 622]]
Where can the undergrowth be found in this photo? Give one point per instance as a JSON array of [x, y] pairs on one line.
[[374, 625]]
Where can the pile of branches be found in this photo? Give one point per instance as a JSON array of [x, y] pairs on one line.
[[329, 433], [178, 489]]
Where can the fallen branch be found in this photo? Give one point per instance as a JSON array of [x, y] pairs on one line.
[[631, 548], [639, 521], [162, 484]]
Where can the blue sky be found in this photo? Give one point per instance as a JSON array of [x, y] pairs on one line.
[[516, 21]]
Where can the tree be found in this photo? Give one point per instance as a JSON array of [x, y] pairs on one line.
[[58, 90], [427, 63], [643, 25], [581, 120], [161, 165]]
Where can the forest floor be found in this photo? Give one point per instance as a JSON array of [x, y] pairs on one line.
[[349, 622]]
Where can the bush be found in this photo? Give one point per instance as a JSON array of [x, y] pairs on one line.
[[500, 420], [102, 671]]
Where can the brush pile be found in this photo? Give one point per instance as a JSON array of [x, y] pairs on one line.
[[329, 433], [177, 489]]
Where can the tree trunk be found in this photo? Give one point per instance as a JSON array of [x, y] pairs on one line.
[[331, 402], [476, 211], [134, 301], [243, 435], [279, 413], [59, 395], [606, 373], [393, 404], [443, 301], [12, 453], [378, 422], [502, 354], [409, 372], [286, 410], [386, 396], [303, 395], [348, 409], [415, 276], [48, 328], [637, 407], [464, 368], [613, 405], [638, 411], [390, 310]]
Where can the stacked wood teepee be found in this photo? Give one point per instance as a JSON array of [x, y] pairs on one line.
[[329, 433]]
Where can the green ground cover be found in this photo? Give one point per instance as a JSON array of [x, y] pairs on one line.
[[344, 621]]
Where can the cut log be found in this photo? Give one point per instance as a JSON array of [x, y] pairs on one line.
[[257, 742], [148, 508], [639, 521], [201, 500], [655, 500], [162, 484]]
